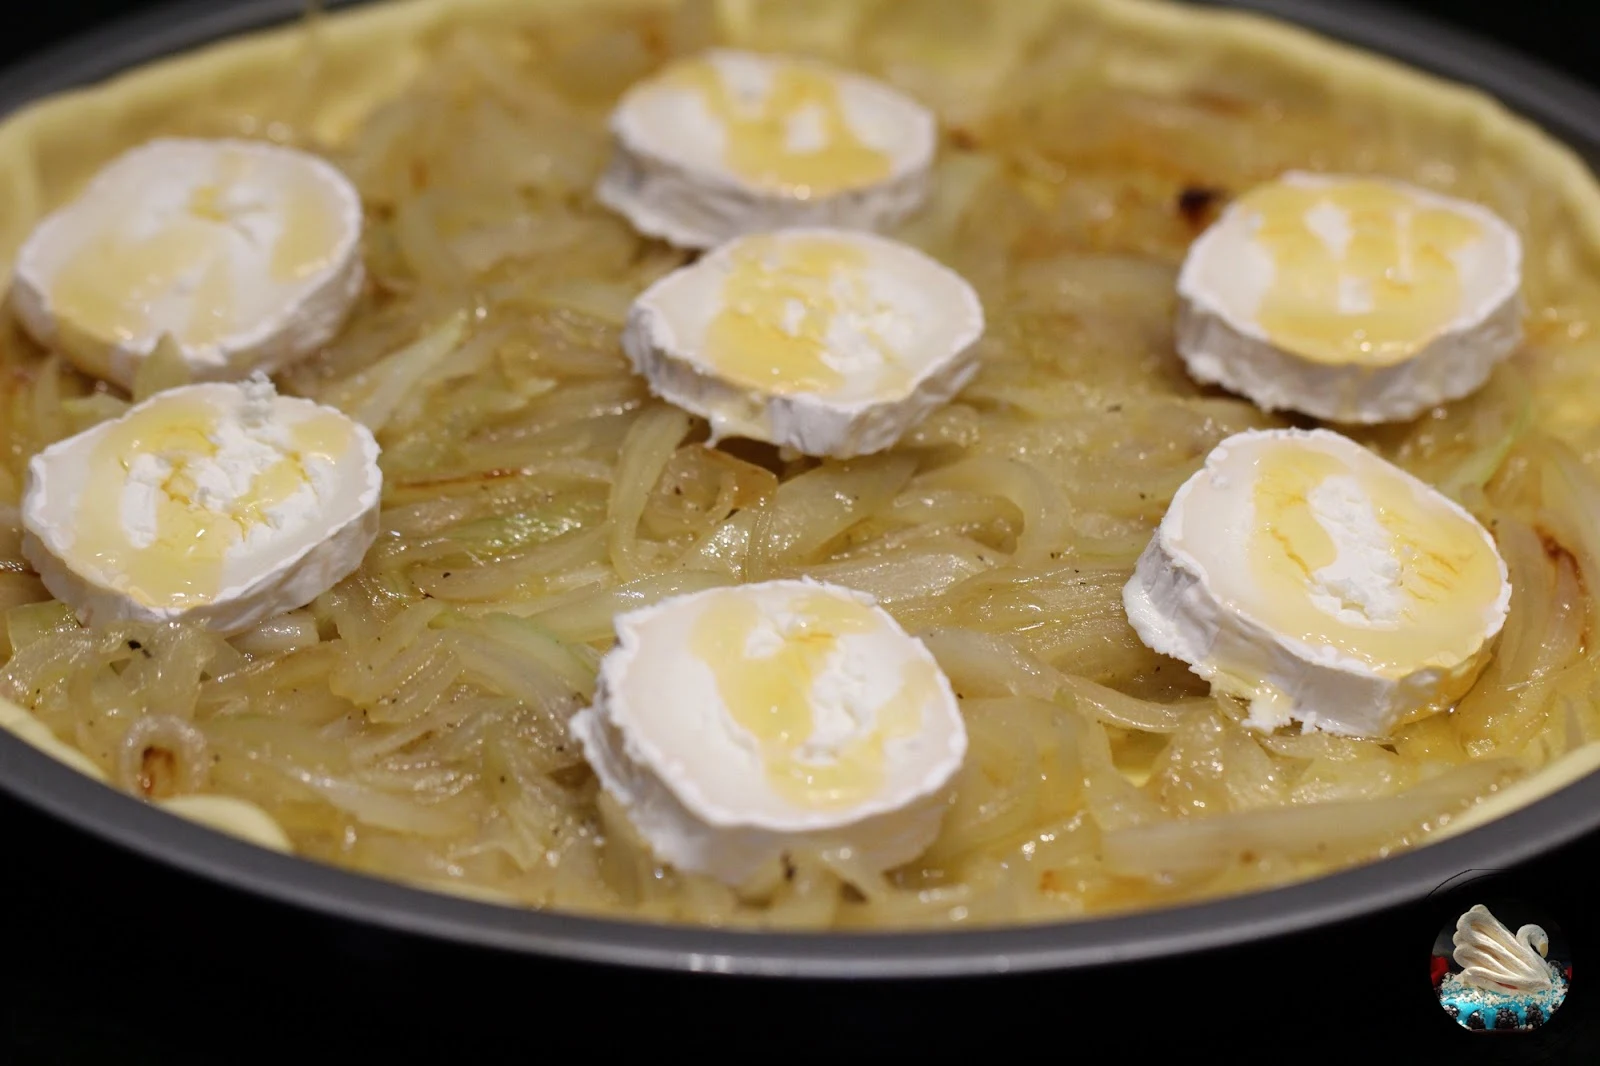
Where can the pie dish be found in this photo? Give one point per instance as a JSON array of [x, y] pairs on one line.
[[1085, 145]]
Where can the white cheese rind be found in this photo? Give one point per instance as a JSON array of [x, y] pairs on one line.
[[649, 768], [951, 320], [293, 319], [1174, 613], [689, 209], [736, 854], [1221, 346], [332, 542], [1175, 608], [666, 182], [1452, 367]]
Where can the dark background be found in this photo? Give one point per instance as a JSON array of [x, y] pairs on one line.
[[107, 959], [1563, 32]]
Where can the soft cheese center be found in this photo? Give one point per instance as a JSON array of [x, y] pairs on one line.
[[800, 314], [791, 134], [1362, 272], [1349, 557], [183, 262], [174, 490], [790, 685]]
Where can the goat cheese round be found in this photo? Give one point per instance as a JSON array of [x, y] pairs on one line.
[[1351, 299], [1300, 571], [831, 342], [736, 724], [728, 143], [219, 503], [245, 255]]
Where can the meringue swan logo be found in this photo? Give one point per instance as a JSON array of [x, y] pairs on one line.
[[1490, 979]]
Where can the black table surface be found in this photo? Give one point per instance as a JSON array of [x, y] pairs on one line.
[[105, 958]]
